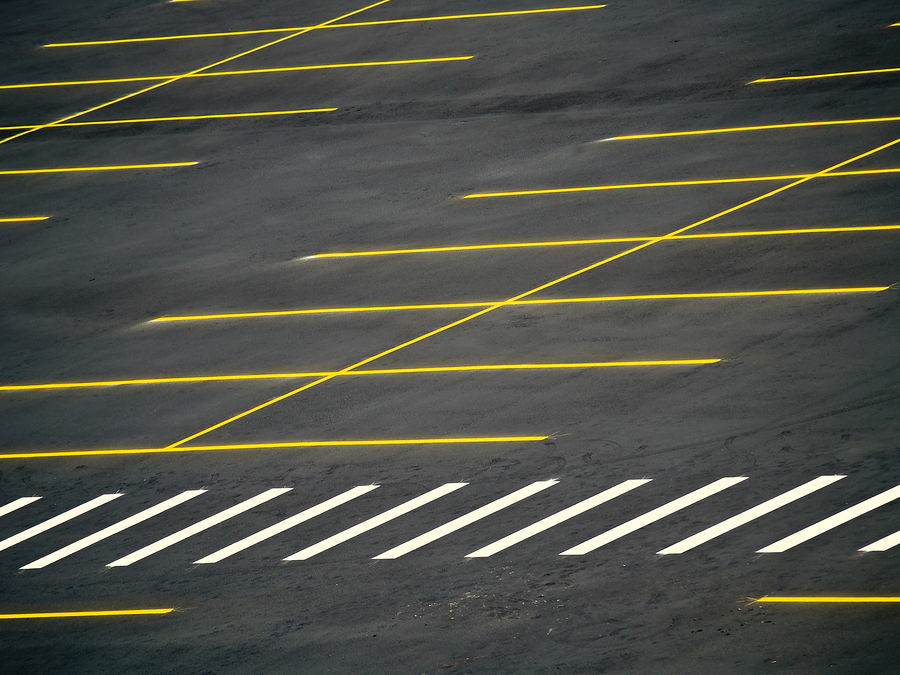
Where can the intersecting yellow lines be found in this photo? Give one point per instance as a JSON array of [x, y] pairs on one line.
[[178, 118]]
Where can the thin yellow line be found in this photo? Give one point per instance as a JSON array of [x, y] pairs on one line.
[[226, 73], [762, 127], [816, 77], [584, 242], [104, 612], [547, 301], [827, 599], [678, 183], [355, 373], [263, 446], [179, 77], [75, 169], [179, 118], [23, 219], [195, 36], [521, 296]]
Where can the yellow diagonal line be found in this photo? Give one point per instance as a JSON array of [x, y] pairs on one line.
[[177, 118], [102, 612]]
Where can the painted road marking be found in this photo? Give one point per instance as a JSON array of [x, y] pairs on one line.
[[100, 612], [23, 219], [286, 524], [374, 522], [681, 183], [750, 514], [761, 127], [58, 520], [194, 36], [229, 73], [816, 77], [467, 519], [196, 528], [138, 120], [557, 518], [355, 373], [78, 169], [654, 515], [884, 544], [776, 598], [16, 505], [112, 529], [831, 522]]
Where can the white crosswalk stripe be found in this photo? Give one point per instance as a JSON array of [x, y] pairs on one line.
[[58, 520], [16, 505], [883, 544]]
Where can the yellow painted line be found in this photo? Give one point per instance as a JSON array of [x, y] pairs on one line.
[[228, 73], [75, 169], [610, 240], [491, 303], [178, 118], [194, 36], [822, 75], [354, 373], [267, 446], [23, 219], [762, 127], [680, 183], [103, 612], [775, 598]]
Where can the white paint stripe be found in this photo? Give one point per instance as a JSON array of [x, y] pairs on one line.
[[112, 529], [557, 518], [16, 505], [884, 544], [467, 519], [831, 522], [58, 520], [205, 524], [286, 524], [653, 516], [750, 514], [372, 523]]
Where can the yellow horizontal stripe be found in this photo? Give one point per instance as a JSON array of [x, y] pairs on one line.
[[263, 446], [354, 373], [194, 36], [679, 183], [104, 612], [489, 303], [73, 169], [611, 240], [175, 119], [225, 73], [23, 219], [762, 127], [773, 598], [816, 77]]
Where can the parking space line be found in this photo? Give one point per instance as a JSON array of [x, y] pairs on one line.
[[276, 445], [831, 522], [228, 73], [750, 514], [16, 504], [776, 598], [762, 127], [107, 532], [100, 612], [23, 219], [355, 373], [179, 118], [387, 22], [824, 75], [557, 518], [196, 528], [58, 520], [375, 521], [652, 516], [286, 524], [680, 183], [463, 521], [883, 544], [587, 242], [81, 169]]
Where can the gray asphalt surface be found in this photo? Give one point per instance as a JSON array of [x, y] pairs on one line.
[[806, 385]]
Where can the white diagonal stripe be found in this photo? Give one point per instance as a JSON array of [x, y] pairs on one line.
[[557, 518], [467, 519], [205, 524], [653, 516], [884, 544], [58, 520], [17, 504], [286, 524], [112, 529], [374, 522], [750, 514], [831, 522]]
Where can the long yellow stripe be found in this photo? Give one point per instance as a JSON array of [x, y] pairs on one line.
[[76, 169], [761, 127], [177, 118], [263, 446], [775, 598], [23, 219], [354, 373], [822, 75], [194, 36], [103, 612]]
